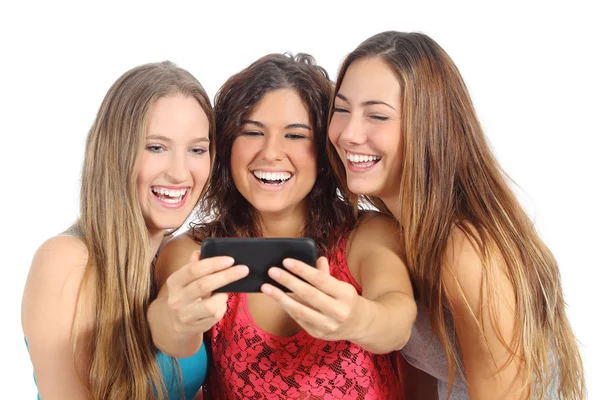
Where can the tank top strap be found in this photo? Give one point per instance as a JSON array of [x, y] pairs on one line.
[[72, 231], [338, 265]]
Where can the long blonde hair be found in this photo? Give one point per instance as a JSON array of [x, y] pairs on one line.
[[119, 276], [450, 179]]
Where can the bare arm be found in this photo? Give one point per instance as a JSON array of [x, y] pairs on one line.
[[380, 320], [387, 295], [186, 307], [47, 312], [481, 345]]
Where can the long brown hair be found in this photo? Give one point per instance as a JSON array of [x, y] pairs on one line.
[[450, 179], [119, 277], [231, 213]]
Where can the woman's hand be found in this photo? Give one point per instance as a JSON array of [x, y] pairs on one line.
[[325, 307], [192, 305]]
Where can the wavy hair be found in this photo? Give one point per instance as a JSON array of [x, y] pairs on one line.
[[231, 214]]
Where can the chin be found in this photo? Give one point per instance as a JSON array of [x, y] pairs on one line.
[[165, 223], [361, 187], [270, 209]]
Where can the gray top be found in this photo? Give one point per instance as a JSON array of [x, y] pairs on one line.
[[425, 352]]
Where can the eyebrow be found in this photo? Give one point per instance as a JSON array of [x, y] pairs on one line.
[[261, 125], [166, 139], [365, 103]]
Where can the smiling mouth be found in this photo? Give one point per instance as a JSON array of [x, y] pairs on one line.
[[168, 195], [272, 178], [362, 160]]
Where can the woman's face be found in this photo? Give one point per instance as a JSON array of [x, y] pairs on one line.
[[273, 160], [175, 163], [365, 128]]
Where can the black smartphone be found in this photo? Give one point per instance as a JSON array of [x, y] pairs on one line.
[[259, 254]]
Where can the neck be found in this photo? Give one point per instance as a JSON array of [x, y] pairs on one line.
[[392, 204], [391, 199], [289, 224], [156, 237]]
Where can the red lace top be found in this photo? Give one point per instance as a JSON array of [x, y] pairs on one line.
[[249, 363]]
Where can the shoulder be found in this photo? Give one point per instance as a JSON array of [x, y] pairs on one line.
[[174, 254], [374, 229], [373, 242], [58, 265], [66, 245], [53, 284], [183, 241]]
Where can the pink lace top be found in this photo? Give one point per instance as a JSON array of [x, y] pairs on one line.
[[249, 363]]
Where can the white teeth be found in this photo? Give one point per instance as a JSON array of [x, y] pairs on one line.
[[272, 176], [176, 194], [361, 158], [172, 201]]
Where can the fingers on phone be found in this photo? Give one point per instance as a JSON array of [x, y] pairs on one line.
[[209, 266], [195, 256], [323, 264], [305, 291], [197, 269], [317, 277], [206, 285]]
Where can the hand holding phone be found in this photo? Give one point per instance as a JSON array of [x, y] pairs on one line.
[[259, 254], [193, 306]]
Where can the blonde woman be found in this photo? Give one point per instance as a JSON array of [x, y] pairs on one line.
[[491, 321], [147, 160]]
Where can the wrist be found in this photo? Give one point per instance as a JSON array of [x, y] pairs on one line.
[[362, 322]]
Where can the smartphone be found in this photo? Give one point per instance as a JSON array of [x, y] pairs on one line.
[[259, 254]]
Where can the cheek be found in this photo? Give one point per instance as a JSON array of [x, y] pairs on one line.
[[308, 159], [387, 140], [235, 162], [235, 166], [336, 126], [391, 143], [243, 152], [145, 172], [201, 171]]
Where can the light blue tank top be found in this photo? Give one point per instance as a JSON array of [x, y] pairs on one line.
[[193, 374]]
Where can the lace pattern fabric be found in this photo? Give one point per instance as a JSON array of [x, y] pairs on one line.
[[249, 363]]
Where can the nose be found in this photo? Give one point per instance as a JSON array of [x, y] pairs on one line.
[[273, 148], [353, 132], [177, 170]]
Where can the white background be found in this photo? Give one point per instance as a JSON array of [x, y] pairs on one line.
[[532, 70]]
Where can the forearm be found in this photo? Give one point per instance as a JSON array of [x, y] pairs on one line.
[[166, 337], [384, 324]]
